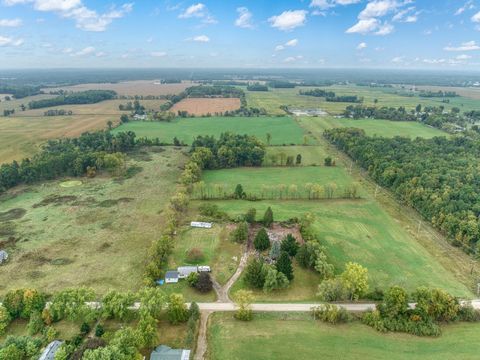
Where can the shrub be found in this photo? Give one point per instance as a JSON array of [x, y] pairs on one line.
[[243, 300], [284, 265], [255, 274], [4, 319], [331, 314], [355, 280], [262, 241], [268, 217], [275, 250], [204, 283], [290, 245], [36, 324], [240, 234], [468, 313], [84, 328], [274, 280], [332, 290], [192, 279], [250, 215], [195, 256], [99, 330], [208, 209]]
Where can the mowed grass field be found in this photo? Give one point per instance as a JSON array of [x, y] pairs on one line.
[[274, 98], [363, 232], [95, 235], [312, 155], [373, 127], [284, 130], [290, 336]]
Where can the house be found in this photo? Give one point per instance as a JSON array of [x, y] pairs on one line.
[[204, 268], [184, 271], [171, 277], [50, 350], [198, 224], [164, 352], [140, 117], [3, 256]]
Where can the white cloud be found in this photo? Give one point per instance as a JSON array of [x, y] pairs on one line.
[[158, 54], [463, 57], [8, 41], [326, 4], [468, 6], [85, 18], [364, 26], [466, 46], [289, 20], [10, 22], [100, 54], [290, 43], [89, 50], [476, 17], [398, 60], [244, 19], [362, 46], [378, 8], [200, 11], [200, 38], [384, 29], [67, 50], [408, 15], [292, 59]]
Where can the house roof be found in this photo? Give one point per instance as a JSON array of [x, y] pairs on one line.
[[187, 269], [171, 274], [50, 350], [164, 352]]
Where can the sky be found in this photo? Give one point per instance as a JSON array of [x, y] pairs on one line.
[[416, 34]]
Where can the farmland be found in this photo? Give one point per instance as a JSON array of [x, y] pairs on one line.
[[283, 336], [94, 235], [283, 130], [206, 106]]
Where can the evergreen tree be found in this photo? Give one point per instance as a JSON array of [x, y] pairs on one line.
[[298, 160], [274, 280], [255, 274], [261, 242], [240, 234], [290, 245], [275, 250], [284, 265], [250, 215], [268, 217], [239, 193]]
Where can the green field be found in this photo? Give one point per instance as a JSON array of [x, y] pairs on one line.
[[94, 235], [274, 98], [311, 155], [284, 130], [257, 181], [362, 231], [296, 336], [373, 127]]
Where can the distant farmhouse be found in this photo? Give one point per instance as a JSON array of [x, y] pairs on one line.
[[164, 352], [3, 256]]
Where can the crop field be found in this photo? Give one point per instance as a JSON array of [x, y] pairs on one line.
[[362, 231], [372, 127], [290, 336], [129, 88], [15, 104], [260, 181], [274, 98], [95, 235], [283, 130], [206, 106]]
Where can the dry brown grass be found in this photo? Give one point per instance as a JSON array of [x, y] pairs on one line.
[[205, 106], [130, 88]]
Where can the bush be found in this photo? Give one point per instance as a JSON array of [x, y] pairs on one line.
[[250, 215], [268, 217], [284, 265], [36, 324], [331, 314], [255, 274], [290, 245], [262, 241], [468, 313], [84, 328], [204, 283], [208, 209], [240, 234], [99, 330], [375, 295], [332, 290], [192, 279], [195, 256], [274, 280]]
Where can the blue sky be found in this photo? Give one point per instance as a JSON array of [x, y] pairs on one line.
[[250, 33]]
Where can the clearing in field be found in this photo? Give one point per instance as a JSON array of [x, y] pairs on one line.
[[95, 235], [283, 130], [372, 127], [312, 155], [297, 336], [205, 106], [130, 88]]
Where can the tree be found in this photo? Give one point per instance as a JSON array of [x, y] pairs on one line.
[[243, 300], [274, 280], [290, 245], [328, 161], [268, 217], [204, 283], [124, 119], [146, 331], [436, 304], [395, 303], [255, 274], [177, 310], [36, 324], [284, 265], [192, 279], [250, 215], [72, 304], [116, 305], [4, 319], [239, 193], [332, 290], [109, 124], [269, 138], [240, 234], [99, 330], [261, 241], [152, 300], [355, 280], [298, 160], [275, 250]]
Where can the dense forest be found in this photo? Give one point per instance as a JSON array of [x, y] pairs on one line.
[[21, 91], [438, 177], [69, 157], [230, 151], [83, 97], [257, 87], [317, 93], [344, 98], [439, 94]]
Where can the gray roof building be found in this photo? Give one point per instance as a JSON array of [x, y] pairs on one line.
[[184, 271], [3, 256], [164, 352], [50, 350]]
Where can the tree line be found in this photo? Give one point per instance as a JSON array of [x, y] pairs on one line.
[[20, 91], [438, 177], [83, 97], [437, 94]]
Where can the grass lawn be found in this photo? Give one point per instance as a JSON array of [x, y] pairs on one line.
[[373, 127], [254, 180], [284, 130], [362, 231], [296, 336], [311, 155], [95, 235]]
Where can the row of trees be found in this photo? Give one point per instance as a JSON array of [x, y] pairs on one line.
[[437, 177], [318, 93], [70, 157], [82, 97], [58, 112], [19, 91], [435, 94]]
